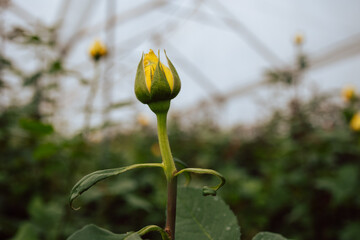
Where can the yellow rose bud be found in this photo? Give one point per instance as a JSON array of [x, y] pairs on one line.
[[155, 150], [97, 50], [143, 120], [348, 93], [155, 82], [299, 39], [355, 122]]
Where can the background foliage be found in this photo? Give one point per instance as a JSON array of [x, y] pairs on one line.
[[295, 173]]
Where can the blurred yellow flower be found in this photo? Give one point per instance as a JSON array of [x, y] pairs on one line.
[[355, 122], [97, 50], [348, 93], [143, 120], [155, 150], [299, 39]]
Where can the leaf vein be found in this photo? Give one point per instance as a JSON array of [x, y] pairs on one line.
[[201, 226]]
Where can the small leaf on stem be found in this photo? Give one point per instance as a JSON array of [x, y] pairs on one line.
[[91, 179]]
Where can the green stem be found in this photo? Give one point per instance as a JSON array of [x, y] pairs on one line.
[[91, 97], [170, 170], [171, 208], [168, 161]]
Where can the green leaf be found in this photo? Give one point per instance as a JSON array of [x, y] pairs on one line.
[[56, 67], [91, 179], [138, 202], [93, 232], [350, 231], [34, 39], [31, 80], [26, 231], [268, 236], [45, 150], [204, 218], [342, 185], [45, 215], [36, 127], [4, 62]]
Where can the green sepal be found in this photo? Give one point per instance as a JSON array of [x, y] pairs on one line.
[[160, 88], [141, 91], [160, 106], [91, 179], [177, 82]]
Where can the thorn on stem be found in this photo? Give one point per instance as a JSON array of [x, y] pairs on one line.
[[168, 231]]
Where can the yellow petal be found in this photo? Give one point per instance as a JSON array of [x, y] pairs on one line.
[[150, 62], [169, 76], [149, 74], [150, 58]]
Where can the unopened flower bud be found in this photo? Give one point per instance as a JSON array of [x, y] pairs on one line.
[[348, 93], [97, 50], [298, 39], [355, 122], [154, 81]]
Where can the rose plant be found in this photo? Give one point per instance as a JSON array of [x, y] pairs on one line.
[[189, 215]]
